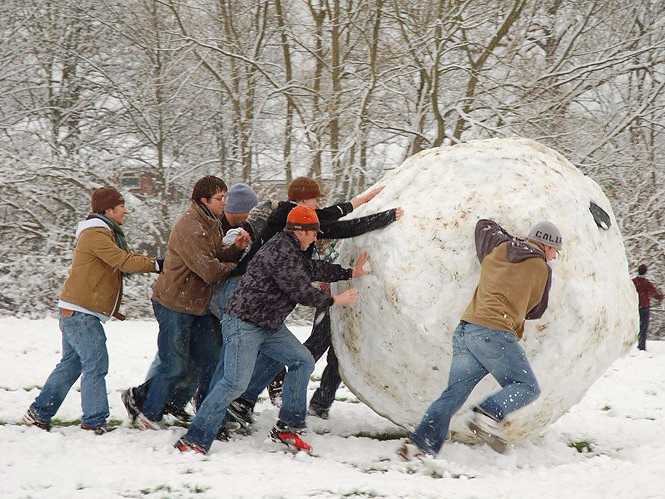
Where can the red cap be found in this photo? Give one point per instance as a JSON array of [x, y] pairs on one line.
[[302, 218]]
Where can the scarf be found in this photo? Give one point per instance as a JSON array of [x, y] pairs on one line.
[[118, 234]]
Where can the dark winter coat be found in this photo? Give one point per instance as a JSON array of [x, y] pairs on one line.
[[645, 291], [331, 226], [279, 278], [514, 283]]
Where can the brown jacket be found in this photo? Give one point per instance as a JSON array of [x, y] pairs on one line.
[[195, 260], [95, 277], [514, 281]]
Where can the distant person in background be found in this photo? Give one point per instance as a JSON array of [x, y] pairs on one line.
[[645, 291], [91, 296]]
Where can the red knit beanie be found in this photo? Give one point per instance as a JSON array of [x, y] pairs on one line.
[[105, 198], [302, 188], [302, 218]]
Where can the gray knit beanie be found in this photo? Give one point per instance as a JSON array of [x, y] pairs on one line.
[[546, 233], [241, 198]]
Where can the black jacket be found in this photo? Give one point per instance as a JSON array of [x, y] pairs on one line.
[[331, 226], [279, 278]]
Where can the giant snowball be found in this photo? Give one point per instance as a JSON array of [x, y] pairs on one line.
[[395, 345]]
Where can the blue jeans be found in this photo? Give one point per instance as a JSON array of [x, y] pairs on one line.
[[478, 351], [221, 295], [83, 354], [644, 328], [242, 343], [185, 342]]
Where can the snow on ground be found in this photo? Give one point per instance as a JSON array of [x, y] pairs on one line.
[[619, 426]]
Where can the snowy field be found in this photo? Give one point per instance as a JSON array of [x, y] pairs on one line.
[[619, 429]]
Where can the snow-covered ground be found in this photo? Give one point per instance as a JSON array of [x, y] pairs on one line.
[[619, 426]]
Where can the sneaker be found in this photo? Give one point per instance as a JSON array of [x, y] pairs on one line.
[[240, 411], [184, 446], [488, 429], [319, 412], [32, 419], [181, 415], [129, 402], [409, 451], [275, 390], [144, 423], [98, 430], [290, 437]]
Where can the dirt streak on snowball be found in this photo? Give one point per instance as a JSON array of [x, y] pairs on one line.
[[395, 346]]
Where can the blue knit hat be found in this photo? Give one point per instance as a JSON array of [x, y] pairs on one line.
[[241, 198]]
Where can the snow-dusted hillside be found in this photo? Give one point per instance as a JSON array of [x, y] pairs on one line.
[[620, 426]]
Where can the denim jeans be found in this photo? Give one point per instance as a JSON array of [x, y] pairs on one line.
[[242, 343], [267, 369], [221, 295], [644, 328], [185, 342], [84, 354], [183, 392], [478, 351]]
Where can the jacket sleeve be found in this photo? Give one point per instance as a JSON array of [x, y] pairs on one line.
[[292, 278], [334, 212], [198, 255], [538, 311], [343, 229], [655, 292], [489, 235], [104, 247], [323, 271]]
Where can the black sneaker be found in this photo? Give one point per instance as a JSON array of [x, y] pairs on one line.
[[181, 415], [129, 402], [32, 419], [319, 412], [291, 437], [275, 390], [240, 411], [98, 430]]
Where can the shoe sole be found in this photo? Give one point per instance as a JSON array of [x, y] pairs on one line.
[[497, 444]]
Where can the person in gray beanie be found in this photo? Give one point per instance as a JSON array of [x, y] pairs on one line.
[[514, 285], [240, 200]]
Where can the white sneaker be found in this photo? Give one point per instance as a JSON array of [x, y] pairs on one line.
[[143, 423], [488, 430]]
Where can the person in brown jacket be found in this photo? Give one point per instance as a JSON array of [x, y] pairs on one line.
[[196, 259], [91, 296], [514, 286]]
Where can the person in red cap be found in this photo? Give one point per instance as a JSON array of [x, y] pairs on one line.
[[279, 277], [305, 191], [91, 296]]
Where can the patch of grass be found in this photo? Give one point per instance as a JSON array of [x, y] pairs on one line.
[[197, 489], [581, 446], [605, 408], [382, 436], [159, 488]]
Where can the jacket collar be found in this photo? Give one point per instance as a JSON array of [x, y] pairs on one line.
[[89, 224]]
